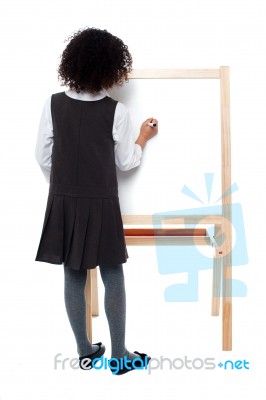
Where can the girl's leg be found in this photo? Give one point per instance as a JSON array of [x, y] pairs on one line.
[[75, 303], [115, 308]]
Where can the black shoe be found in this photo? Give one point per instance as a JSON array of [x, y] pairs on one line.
[[138, 363], [144, 357], [85, 362]]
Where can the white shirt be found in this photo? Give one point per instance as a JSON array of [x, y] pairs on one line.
[[127, 153]]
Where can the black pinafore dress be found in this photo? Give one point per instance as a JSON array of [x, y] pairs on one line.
[[82, 224]]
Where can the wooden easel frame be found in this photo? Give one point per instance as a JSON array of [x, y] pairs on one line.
[[223, 222]]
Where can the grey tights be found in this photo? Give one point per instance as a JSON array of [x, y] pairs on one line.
[[114, 303]]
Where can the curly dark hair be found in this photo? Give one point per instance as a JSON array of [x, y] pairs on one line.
[[93, 60]]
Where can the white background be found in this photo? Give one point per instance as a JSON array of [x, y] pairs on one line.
[[34, 325]]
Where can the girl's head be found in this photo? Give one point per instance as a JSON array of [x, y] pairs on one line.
[[94, 60]]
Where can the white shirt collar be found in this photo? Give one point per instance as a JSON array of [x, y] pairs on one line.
[[86, 96]]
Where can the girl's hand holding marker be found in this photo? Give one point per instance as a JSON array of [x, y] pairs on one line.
[[148, 129]]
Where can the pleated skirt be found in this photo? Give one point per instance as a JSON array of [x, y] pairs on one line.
[[82, 232]]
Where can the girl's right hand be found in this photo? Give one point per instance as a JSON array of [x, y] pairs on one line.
[[147, 132]]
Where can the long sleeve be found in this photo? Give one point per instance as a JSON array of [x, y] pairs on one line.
[[127, 153], [44, 143]]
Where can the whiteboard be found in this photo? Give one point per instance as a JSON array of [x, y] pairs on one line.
[[188, 144]]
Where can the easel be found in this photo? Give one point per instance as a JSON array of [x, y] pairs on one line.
[[142, 236]]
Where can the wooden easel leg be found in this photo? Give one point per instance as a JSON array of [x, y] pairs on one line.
[[226, 204], [217, 273], [88, 295], [94, 287], [227, 304], [216, 286]]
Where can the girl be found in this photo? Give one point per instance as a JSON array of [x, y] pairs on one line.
[[83, 135]]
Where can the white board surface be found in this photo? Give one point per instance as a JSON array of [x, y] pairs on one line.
[[188, 144]]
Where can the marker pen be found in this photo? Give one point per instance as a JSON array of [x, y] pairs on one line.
[[151, 124]]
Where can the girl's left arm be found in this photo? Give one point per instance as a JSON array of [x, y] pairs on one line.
[[44, 142]]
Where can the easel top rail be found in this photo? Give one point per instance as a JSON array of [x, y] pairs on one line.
[[176, 73]]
